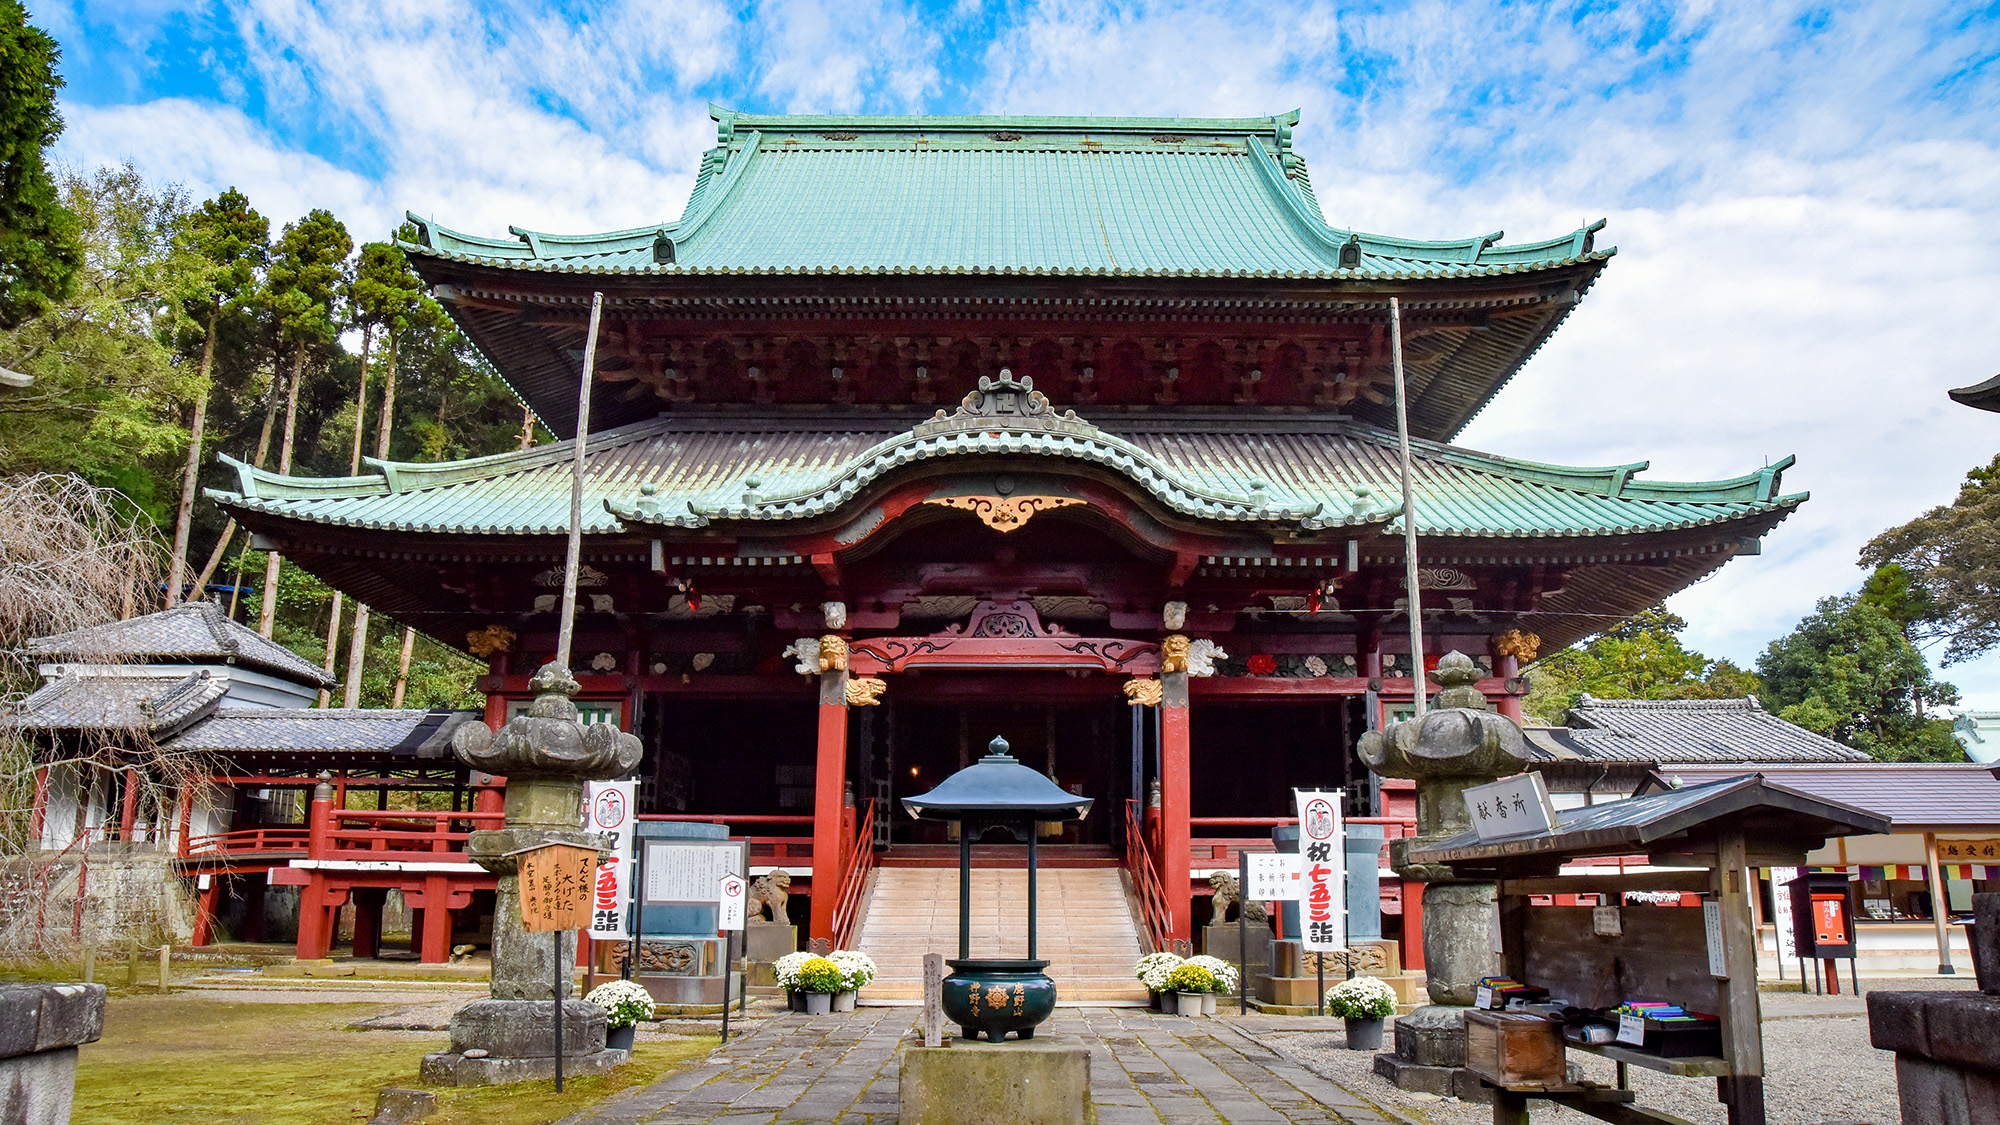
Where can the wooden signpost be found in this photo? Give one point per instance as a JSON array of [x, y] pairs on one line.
[[554, 883]]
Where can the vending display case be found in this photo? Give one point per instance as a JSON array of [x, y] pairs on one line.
[[1653, 984]]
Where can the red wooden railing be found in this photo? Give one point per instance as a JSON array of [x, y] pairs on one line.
[[854, 881], [1146, 880], [351, 834]]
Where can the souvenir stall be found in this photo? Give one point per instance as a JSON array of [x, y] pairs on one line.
[[1669, 988]]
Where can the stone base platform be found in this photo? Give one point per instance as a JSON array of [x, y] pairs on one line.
[[448, 1068], [1444, 1081], [1041, 1082]]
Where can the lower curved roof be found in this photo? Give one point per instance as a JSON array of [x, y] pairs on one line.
[[700, 467]]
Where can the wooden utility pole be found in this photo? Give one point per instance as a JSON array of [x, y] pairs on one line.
[[574, 557], [1415, 602]]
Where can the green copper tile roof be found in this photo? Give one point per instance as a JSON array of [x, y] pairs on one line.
[[1038, 196], [1294, 472]]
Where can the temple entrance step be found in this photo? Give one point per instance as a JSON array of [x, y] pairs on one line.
[[1047, 856], [1085, 927]]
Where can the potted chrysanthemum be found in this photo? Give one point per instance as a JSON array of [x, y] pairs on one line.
[[819, 978], [1364, 1003], [1152, 971], [1189, 983], [1225, 979], [857, 969], [786, 970], [625, 1003]]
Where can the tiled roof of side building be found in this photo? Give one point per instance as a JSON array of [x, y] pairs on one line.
[[198, 632], [700, 469], [403, 732], [1671, 731], [1913, 795], [1037, 196], [76, 701]]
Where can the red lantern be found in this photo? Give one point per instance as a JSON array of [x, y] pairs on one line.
[[1314, 600], [1263, 664], [693, 599]]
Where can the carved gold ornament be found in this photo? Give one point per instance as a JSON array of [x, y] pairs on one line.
[[833, 653], [1005, 513], [1174, 653], [1515, 643], [483, 643], [1145, 693], [866, 691]]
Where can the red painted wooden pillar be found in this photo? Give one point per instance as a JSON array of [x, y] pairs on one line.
[[435, 943], [829, 800], [1175, 846], [319, 823], [1509, 704], [204, 915], [129, 810], [41, 813], [316, 903]]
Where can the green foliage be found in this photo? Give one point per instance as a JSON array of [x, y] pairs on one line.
[[1642, 658], [107, 393], [39, 251], [1950, 559], [308, 269], [1849, 672]]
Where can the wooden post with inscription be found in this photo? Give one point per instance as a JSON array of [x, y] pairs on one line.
[[933, 999], [555, 890]]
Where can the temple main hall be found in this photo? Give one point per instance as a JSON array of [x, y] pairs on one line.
[[911, 432]]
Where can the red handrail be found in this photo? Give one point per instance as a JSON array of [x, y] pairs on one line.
[[861, 861], [1146, 879], [246, 841], [728, 818]]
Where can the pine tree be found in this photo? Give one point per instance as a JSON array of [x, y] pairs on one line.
[[307, 269], [229, 233]]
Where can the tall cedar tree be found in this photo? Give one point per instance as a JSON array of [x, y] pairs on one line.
[[386, 294], [236, 239], [1849, 672], [1951, 559], [39, 253], [308, 267]]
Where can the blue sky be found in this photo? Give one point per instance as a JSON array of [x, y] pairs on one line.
[[1806, 197]]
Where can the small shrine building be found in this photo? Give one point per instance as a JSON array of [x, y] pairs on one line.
[[915, 431]]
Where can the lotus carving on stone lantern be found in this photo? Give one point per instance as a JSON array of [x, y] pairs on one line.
[[549, 740]]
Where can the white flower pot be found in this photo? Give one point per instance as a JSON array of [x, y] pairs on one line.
[[844, 1001], [1208, 1003], [818, 1003], [1189, 1003]]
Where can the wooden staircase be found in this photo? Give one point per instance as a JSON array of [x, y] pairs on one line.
[[1086, 931]]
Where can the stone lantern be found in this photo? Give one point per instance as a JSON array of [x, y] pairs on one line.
[[546, 755], [996, 995], [1457, 744]]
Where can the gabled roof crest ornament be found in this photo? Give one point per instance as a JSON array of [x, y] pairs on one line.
[[1005, 403]]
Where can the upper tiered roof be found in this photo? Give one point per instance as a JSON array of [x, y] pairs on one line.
[[1061, 196], [829, 259]]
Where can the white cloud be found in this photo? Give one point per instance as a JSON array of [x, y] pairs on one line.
[[1806, 199]]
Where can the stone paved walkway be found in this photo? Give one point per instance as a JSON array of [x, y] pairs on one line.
[[1144, 1068]]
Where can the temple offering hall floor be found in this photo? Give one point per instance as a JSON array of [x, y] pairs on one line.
[[842, 1068]]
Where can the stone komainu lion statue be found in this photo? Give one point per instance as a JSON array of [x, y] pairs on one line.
[[769, 891], [1228, 894]]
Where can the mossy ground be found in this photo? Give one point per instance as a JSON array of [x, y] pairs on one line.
[[169, 1060]]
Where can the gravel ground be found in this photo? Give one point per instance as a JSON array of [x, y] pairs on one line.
[[1819, 1068]]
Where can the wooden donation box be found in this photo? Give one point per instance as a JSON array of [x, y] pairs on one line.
[[1515, 1049], [1631, 979]]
